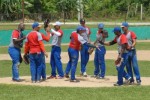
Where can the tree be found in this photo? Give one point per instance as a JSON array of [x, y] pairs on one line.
[[9, 7]]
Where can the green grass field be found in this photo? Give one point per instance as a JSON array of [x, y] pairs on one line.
[[5, 68], [21, 92], [139, 46]]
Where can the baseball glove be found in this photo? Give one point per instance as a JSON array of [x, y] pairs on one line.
[[118, 62], [101, 42], [46, 22], [90, 51], [26, 59]]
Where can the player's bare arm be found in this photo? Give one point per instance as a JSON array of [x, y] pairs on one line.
[[18, 40]]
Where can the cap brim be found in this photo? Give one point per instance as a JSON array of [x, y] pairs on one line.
[[56, 24], [40, 26], [122, 26]]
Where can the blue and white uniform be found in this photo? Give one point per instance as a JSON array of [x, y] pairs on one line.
[[15, 53], [73, 52], [132, 61], [55, 61], [99, 58], [84, 50], [121, 73]]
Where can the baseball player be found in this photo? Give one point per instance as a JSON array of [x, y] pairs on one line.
[[45, 38], [99, 58], [122, 42], [55, 62], [132, 61], [84, 49], [35, 47], [14, 51], [73, 52]]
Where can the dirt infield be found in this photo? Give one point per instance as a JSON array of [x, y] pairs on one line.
[[84, 82]]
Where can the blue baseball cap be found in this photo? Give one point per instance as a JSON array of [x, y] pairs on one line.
[[80, 28], [117, 29], [100, 25], [35, 24], [125, 24]]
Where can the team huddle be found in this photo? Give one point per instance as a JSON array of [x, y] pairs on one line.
[[126, 63]]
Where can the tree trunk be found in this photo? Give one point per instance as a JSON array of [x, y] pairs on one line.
[[128, 11], [136, 8], [39, 17]]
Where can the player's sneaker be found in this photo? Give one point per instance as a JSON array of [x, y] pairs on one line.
[[81, 74], [37, 81], [66, 75], [85, 74], [43, 79], [138, 82], [94, 76], [99, 77], [59, 77], [75, 80], [131, 82], [116, 84], [51, 77], [33, 81], [127, 81], [17, 80]]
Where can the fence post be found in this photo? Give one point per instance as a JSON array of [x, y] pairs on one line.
[[141, 11]]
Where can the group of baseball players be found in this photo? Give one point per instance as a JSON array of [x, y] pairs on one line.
[[79, 42]]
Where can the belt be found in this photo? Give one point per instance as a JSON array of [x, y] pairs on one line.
[[35, 53], [132, 49], [55, 46]]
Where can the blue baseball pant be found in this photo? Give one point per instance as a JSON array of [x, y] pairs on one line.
[[125, 74], [43, 74], [55, 61], [15, 54], [84, 57], [73, 61], [99, 61], [35, 66], [120, 69], [132, 63]]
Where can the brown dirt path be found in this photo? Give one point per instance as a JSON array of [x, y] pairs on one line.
[[84, 82]]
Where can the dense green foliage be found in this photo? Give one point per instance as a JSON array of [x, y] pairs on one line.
[[94, 9]]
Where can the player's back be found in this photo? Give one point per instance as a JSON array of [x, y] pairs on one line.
[[33, 39]]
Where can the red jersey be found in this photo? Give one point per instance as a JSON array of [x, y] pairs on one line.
[[130, 36], [120, 41], [34, 43], [76, 41], [16, 34]]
